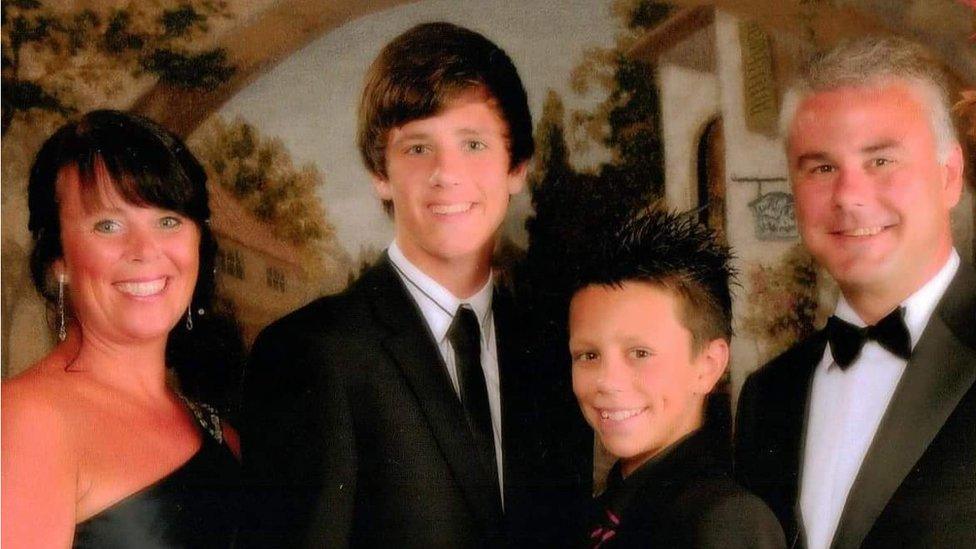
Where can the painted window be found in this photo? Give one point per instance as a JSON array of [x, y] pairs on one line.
[[275, 279], [230, 262]]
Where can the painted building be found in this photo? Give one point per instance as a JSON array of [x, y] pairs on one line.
[[264, 276]]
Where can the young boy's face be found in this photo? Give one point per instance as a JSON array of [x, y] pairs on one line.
[[449, 179], [635, 377]]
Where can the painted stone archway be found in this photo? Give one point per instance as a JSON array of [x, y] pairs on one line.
[[253, 48]]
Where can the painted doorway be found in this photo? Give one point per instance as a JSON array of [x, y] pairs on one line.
[[711, 178]]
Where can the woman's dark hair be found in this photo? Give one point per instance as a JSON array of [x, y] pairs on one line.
[[148, 166]]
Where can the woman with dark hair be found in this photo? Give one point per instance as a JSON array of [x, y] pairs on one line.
[[115, 439]]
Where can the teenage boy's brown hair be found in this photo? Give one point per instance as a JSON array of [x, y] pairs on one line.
[[422, 70]]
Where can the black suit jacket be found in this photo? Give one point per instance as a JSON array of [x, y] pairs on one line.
[[353, 435], [685, 498], [917, 484]]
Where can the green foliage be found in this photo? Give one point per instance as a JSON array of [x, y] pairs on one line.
[[138, 39], [30, 29], [785, 305], [19, 29], [27, 95], [260, 174], [78, 28], [552, 156], [117, 37], [205, 70], [25, 4], [628, 121], [179, 21]]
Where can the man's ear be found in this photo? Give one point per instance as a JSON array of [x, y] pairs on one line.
[[953, 176], [710, 365], [382, 187], [517, 176]]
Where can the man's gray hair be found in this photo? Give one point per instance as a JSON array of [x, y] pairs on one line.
[[877, 61]]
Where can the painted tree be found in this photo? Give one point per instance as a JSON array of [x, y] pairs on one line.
[[55, 60], [259, 172], [627, 122], [578, 209]]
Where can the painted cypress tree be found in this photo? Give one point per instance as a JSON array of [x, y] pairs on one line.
[[576, 210]]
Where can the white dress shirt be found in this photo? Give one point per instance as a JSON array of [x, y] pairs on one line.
[[846, 407], [438, 307]]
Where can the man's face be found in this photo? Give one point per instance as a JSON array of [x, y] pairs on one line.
[[449, 179], [635, 377], [872, 197]]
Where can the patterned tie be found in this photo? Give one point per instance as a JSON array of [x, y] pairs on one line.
[[846, 340], [605, 531], [465, 337]]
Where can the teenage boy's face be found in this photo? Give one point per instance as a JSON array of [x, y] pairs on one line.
[[449, 179], [635, 377]]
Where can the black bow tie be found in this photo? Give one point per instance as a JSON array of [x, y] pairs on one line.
[[846, 340]]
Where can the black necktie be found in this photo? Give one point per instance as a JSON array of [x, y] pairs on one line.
[[465, 337], [846, 340]]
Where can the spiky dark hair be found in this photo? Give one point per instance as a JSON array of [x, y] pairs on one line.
[[675, 252]]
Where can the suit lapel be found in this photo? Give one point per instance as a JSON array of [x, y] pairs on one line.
[[413, 350], [942, 368], [511, 383]]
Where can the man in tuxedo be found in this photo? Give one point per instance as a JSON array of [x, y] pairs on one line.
[[864, 435], [403, 412]]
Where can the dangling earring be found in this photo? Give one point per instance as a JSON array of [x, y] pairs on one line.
[[189, 319], [62, 330]]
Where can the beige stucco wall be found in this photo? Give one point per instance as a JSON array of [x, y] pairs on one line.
[[689, 101]]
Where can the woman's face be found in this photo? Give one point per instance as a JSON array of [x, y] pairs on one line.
[[130, 270]]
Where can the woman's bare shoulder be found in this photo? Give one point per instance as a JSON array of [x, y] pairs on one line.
[[45, 396], [36, 404], [39, 455]]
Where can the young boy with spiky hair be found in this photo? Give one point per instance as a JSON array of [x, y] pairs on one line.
[[650, 322]]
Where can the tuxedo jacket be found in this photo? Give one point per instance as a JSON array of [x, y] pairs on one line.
[[353, 434], [684, 498], [917, 484]]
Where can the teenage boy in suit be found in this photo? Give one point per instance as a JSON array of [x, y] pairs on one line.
[[862, 435], [650, 323], [402, 412]]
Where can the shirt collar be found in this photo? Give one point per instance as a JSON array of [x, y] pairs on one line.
[[437, 304], [918, 307]]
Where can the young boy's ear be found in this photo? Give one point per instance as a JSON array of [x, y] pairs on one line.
[[711, 363]]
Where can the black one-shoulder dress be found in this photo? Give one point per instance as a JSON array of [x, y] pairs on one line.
[[197, 505]]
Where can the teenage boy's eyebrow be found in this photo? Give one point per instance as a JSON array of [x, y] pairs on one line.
[[412, 135], [424, 136]]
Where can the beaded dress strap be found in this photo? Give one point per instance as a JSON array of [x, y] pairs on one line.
[[207, 417]]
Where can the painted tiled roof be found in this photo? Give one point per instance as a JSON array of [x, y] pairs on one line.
[[231, 221]]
